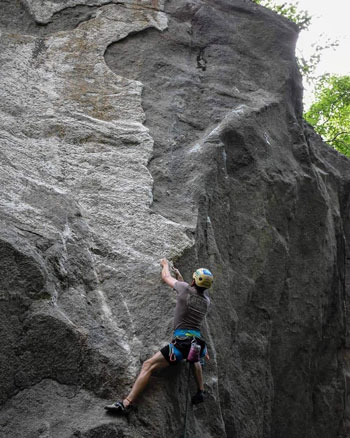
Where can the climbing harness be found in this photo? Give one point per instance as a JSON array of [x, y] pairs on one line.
[[186, 344], [186, 333]]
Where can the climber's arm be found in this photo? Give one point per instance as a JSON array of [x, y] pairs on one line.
[[166, 276], [178, 275]]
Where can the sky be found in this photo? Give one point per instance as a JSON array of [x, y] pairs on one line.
[[330, 19]]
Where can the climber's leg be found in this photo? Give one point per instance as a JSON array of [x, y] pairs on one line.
[[156, 362]]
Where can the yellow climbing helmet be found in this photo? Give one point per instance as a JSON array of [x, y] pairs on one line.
[[203, 278]]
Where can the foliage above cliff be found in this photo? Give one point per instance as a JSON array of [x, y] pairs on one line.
[[302, 18], [291, 11], [330, 113]]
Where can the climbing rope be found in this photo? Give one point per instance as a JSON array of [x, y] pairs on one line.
[[187, 397]]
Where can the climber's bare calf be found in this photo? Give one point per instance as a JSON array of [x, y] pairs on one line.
[[156, 362]]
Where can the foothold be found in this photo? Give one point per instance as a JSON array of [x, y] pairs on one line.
[[201, 61]]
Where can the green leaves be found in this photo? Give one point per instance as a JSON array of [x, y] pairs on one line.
[[308, 65], [289, 10], [330, 113], [302, 19]]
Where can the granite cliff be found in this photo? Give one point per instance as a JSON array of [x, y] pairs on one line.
[[136, 129]]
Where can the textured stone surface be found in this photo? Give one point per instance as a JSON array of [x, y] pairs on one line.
[[131, 130], [44, 10]]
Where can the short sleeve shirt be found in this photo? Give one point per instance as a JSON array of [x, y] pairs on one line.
[[191, 306]]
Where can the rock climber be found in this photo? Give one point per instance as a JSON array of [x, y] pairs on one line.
[[192, 305]]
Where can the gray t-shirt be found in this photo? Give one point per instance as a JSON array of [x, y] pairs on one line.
[[191, 306]]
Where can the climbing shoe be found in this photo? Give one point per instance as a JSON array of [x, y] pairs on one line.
[[119, 408], [198, 398]]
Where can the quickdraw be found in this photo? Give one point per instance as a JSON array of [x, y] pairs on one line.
[[172, 355]]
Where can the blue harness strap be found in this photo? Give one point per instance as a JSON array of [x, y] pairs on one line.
[[187, 333]]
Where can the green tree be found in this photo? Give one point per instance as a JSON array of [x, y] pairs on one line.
[[302, 19], [330, 112], [289, 10], [308, 65]]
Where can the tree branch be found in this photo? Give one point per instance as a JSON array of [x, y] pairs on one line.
[[338, 134]]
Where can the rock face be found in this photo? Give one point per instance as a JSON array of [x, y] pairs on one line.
[[132, 130]]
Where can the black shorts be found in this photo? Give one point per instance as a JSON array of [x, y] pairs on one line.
[[181, 347]]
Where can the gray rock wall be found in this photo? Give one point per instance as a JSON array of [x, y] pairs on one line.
[[133, 130]]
